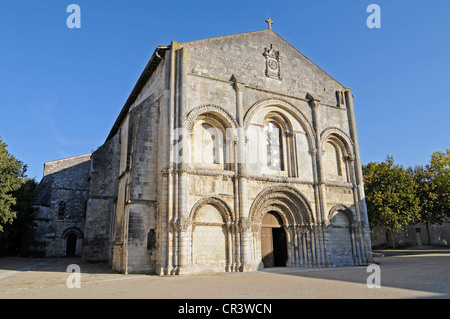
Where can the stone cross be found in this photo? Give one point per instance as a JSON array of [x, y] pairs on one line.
[[269, 22]]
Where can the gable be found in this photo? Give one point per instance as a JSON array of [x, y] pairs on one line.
[[245, 55]]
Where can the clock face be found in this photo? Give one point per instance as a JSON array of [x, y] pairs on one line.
[[273, 64]]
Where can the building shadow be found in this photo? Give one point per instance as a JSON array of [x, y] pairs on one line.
[[427, 273], [49, 264]]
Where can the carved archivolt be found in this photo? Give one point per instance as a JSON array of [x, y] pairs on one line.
[[339, 135], [284, 105], [290, 203], [342, 208], [213, 111], [221, 205]]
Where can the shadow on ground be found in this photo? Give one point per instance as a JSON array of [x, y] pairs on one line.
[[429, 273], [59, 264]]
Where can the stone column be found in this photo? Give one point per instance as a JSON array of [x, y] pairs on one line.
[[229, 252], [359, 177], [184, 230], [291, 154], [240, 173], [246, 237], [320, 215]]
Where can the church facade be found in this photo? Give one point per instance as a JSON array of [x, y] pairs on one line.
[[231, 154]]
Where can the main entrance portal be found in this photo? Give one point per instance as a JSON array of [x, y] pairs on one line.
[[273, 241]]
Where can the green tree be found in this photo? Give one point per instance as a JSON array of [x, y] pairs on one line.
[[427, 195], [390, 196], [11, 179], [433, 189], [11, 238], [439, 173]]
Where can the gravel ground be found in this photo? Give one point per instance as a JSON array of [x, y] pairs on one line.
[[402, 277]]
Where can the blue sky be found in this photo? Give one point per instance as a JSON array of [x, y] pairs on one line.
[[61, 89]]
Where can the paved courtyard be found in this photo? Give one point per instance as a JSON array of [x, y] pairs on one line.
[[409, 276]]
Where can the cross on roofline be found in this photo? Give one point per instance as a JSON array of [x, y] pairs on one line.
[[269, 22]]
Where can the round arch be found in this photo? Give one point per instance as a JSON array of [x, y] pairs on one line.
[[339, 137], [342, 208], [341, 235], [210, 236], [283, 105], [217, 202], [71, 240], [293, 207], [210, 111], [72, 230]]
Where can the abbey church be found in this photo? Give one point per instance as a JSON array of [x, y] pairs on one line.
[[231, 154]]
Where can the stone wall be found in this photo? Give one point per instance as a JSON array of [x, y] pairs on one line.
[[100, 210], [414, 236], [61, 205]]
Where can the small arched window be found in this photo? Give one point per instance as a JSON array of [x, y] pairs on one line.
[[334, 161], [274, 146], [208, 144]]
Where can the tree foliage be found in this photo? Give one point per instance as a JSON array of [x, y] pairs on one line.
[[390, 195], [439, 173], [12, 173], [397, 197]]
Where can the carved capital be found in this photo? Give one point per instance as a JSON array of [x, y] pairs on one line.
[[184, 224], [246, 224], [350, 157], [289, 133]]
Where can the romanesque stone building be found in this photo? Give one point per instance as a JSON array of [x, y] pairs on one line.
[[60, 205], [230, 154]]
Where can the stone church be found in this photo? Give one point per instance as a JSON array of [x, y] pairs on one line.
[[231, 154]]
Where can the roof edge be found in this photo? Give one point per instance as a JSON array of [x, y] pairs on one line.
[[151, 66]]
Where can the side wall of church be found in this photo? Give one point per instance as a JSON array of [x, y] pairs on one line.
[[138, 179], [100, 210]]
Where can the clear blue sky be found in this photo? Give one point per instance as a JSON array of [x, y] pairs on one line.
[[61, 89]]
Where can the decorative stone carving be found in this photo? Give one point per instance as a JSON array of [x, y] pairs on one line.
[[305, 122], [339, 207], [246, 224], [215, 111], [338, 133], [217, 202], [297, 207], [184, 224], [273, 59]]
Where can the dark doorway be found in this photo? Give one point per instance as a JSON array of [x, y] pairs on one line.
[[71, 246], [279, 247], [273, 241]]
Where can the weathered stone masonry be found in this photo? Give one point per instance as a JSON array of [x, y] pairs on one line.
[[60, 208], [260, 131]]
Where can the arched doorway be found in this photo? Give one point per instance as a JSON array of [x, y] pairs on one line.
[[340, 239], [273, 241], [71, 245], [71, 242], [209, 243]]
